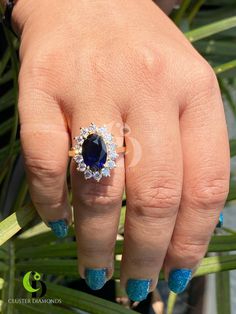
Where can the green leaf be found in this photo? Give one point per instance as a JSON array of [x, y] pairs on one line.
[[41, 308], [6, 77], [68, 267], [222, 243], [36, 230], [56, 266], [15, 69], [53, 266], [124, 196], [3, 254], [12, 224], [223, 293], [230, 101], [180, 13], [209, 16], [229, 230], [216, 264], [21, 194], [4, 60], [211, 29], [6, 126], [225, 67], [214, 47], [67, 249], [232, 191], [9, 280], [232, 148], [52, 248], [219, 2], [171, 302], [3, 267], [83, 301], [195, 9], [122, 219], [38, 239], [5, 150], [6, 100], [1, 284], [5, 175]]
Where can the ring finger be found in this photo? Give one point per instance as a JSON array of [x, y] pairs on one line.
[[97, 208]]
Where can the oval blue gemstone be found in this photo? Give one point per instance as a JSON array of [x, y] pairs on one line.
[[94, 152]]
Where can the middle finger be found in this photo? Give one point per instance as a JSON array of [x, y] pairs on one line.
[[153, 190]]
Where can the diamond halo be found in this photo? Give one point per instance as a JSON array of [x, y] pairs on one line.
[[111, 154]]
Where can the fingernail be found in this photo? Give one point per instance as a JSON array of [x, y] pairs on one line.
[[95, 278], [59, 228], [179, 279], [221, 221], [138, 289]]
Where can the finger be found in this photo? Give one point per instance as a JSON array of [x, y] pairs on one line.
[[97, 207], [206, 180], [153, 189], [45, 142]]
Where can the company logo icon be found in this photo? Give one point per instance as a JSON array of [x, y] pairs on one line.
[[33, 284]]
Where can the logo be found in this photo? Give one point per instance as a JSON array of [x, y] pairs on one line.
[[33, 284]]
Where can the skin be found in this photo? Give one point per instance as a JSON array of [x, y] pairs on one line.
[[123, 63]]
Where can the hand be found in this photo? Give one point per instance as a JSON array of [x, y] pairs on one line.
[[115, 63]]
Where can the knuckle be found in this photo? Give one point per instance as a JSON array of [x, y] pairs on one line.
[[99, 197], [158, 199], [191, 252], [36, 70], [50, 169], [148, 60], [96, 64], [209, 192], [203, 78], [47, 181], [52, 202], [99, 202], [40, 72], [88, 252], [90, 249], [144, 261]]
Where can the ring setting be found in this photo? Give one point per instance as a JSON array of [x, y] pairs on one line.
[[94, 152]]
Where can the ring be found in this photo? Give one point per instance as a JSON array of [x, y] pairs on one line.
[[95, 152]]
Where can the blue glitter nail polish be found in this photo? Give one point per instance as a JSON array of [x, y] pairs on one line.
[[59, 228], [95, 278], [138, 289], [221, 221], [179, 279]]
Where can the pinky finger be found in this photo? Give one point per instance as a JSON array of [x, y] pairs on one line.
[[205, 185]]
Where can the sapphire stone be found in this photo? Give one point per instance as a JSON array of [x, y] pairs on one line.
[[94, 152]]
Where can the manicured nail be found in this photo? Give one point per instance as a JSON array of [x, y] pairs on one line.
[[221, 221], [95, 278], [59, 228], [179, 279], [138, 289]]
